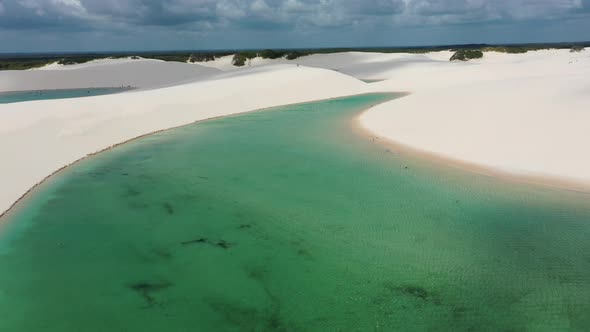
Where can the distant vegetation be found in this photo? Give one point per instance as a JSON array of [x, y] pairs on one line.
[[22, 64], [201, 57], [271, 54], [289, 55], [505, 49], [74, 60], [294, 55], [28, 61], [241, 58], [577, 48], [465, 55]]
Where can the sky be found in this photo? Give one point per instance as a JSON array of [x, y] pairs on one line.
[[130, 25]]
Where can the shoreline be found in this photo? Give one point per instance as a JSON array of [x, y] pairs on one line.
[[429, 159], [11, 209], [438, 160], [61, 132], [516, 116]]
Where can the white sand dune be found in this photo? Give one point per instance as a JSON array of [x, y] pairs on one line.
[[525, 114], [372, 66], [94, 63], [224, 63], [105, 73], [38, 138], [365, 66]]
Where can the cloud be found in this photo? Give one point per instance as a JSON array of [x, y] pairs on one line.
[[277, 22], [229, 10], [375, 7], [320, 13], [37, 14], [152, 12], [74, 7], [492, 9]]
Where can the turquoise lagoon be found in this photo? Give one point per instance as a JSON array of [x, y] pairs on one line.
[[15, 97], [290, 220]]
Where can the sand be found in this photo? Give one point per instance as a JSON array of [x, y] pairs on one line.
[[40, 137], [523, 114], [142, 74], [364, 66]]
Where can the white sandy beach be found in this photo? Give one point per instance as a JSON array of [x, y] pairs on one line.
[[525, 114]]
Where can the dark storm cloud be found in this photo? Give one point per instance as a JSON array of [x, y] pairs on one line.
[[202, 18], [28, 14], [152, 12], [22, 13]]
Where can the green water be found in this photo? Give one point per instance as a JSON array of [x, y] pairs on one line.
[[290, 220], [15, 97]]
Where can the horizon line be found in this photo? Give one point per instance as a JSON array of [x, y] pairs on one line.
[[229, 50]]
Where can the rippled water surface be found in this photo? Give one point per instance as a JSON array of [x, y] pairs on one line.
[[290, 220]]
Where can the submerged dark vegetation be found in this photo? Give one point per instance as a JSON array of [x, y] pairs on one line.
[[241, 58]]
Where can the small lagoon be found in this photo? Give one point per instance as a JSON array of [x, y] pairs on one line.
[[290, 220], [19, 96]]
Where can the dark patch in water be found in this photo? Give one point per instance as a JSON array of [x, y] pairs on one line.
[[168, 207], [224, 244], [203, 177], [243, 317], [197, 241], [275, 323], [220, 244], [300, 249], [304, 253], [458, 312], [415, 291], [257, 273], [131, 192], [244, 226], [161, 253], [388, 300], [146, 290], [272, 318]]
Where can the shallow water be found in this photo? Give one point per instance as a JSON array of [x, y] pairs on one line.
[[289, 220], [15, 97]]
